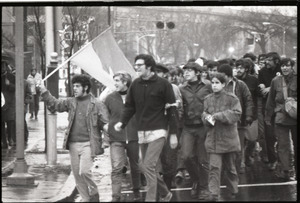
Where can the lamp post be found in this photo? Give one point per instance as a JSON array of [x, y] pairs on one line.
[[138, 41], [283, 37], [231, 50]]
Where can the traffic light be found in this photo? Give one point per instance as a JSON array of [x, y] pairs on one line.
[[162, 25]]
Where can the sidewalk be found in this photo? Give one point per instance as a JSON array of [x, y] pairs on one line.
[[52, 183]]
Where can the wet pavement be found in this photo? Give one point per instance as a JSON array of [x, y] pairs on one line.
[[256, 184], [49, 180]]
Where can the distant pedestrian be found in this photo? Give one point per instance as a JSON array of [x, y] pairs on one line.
[[222, 111], [147, 98], [123, 144], [33, 79], [83, 136], [284, 124]]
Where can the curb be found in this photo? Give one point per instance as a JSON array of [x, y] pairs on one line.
[[68, 191], [7, 170]]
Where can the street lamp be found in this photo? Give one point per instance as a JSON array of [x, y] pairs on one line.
[[283, 37], [138, 41], [231, 50]]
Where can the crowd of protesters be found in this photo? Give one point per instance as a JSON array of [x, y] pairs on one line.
[[203, 120]]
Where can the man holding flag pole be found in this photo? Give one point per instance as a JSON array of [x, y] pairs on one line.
[[100, 58]]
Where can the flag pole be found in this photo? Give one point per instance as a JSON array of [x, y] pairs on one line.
[[65, 62]]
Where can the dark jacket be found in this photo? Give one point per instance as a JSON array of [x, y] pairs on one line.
[[95, 118], [147, 99], [8, 111], [223, 136], [252, 83], [265, 76], [114, 107], [193, 102], [275, 101], [244, 95]]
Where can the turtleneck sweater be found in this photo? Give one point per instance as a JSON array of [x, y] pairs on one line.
[[79, 130], [194, 84]]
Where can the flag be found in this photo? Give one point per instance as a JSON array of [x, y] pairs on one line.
[[101, 58]]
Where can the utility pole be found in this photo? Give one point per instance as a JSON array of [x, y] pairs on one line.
[[20, 175], [51, 117]]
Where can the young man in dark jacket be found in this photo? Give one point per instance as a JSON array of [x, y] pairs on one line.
[[194, 133], [243, 67], [83, 135], [123, 142], [284, 123], [265, 76], [147, 98]]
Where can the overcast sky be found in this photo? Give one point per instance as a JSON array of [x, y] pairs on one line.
[[285, 10]]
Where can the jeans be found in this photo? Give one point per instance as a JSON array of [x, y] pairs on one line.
[[285, 148], [230, 173], [270, 138], [81, 164], [195, 156], [118, 151], [34, 106], [150, 153]]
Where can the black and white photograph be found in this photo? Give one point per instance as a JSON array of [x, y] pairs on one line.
[[149, 101]]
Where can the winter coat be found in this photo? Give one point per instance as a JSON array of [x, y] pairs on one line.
[[275, 101], [8, 111], [147, 100], [243, 93], [114, 106], [33, 81], [193, 102], [95, 118], [223, 136]]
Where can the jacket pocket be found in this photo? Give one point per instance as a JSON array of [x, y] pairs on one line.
[[94, 119]]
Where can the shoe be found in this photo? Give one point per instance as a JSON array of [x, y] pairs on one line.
[[179, 177], [249, 161], [143, 180], [288, 176], [186, 174], [31, 117], [116, 199], [272, 166], [124, 169], [213, 198], [242, 170], [137, 196], [167, 198], [203, 195], [194, 191], [233, 195], [95, 198]]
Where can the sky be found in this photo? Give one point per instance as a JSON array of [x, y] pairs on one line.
[[285, 10]]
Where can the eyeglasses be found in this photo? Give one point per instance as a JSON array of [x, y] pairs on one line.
[[138, 65]]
